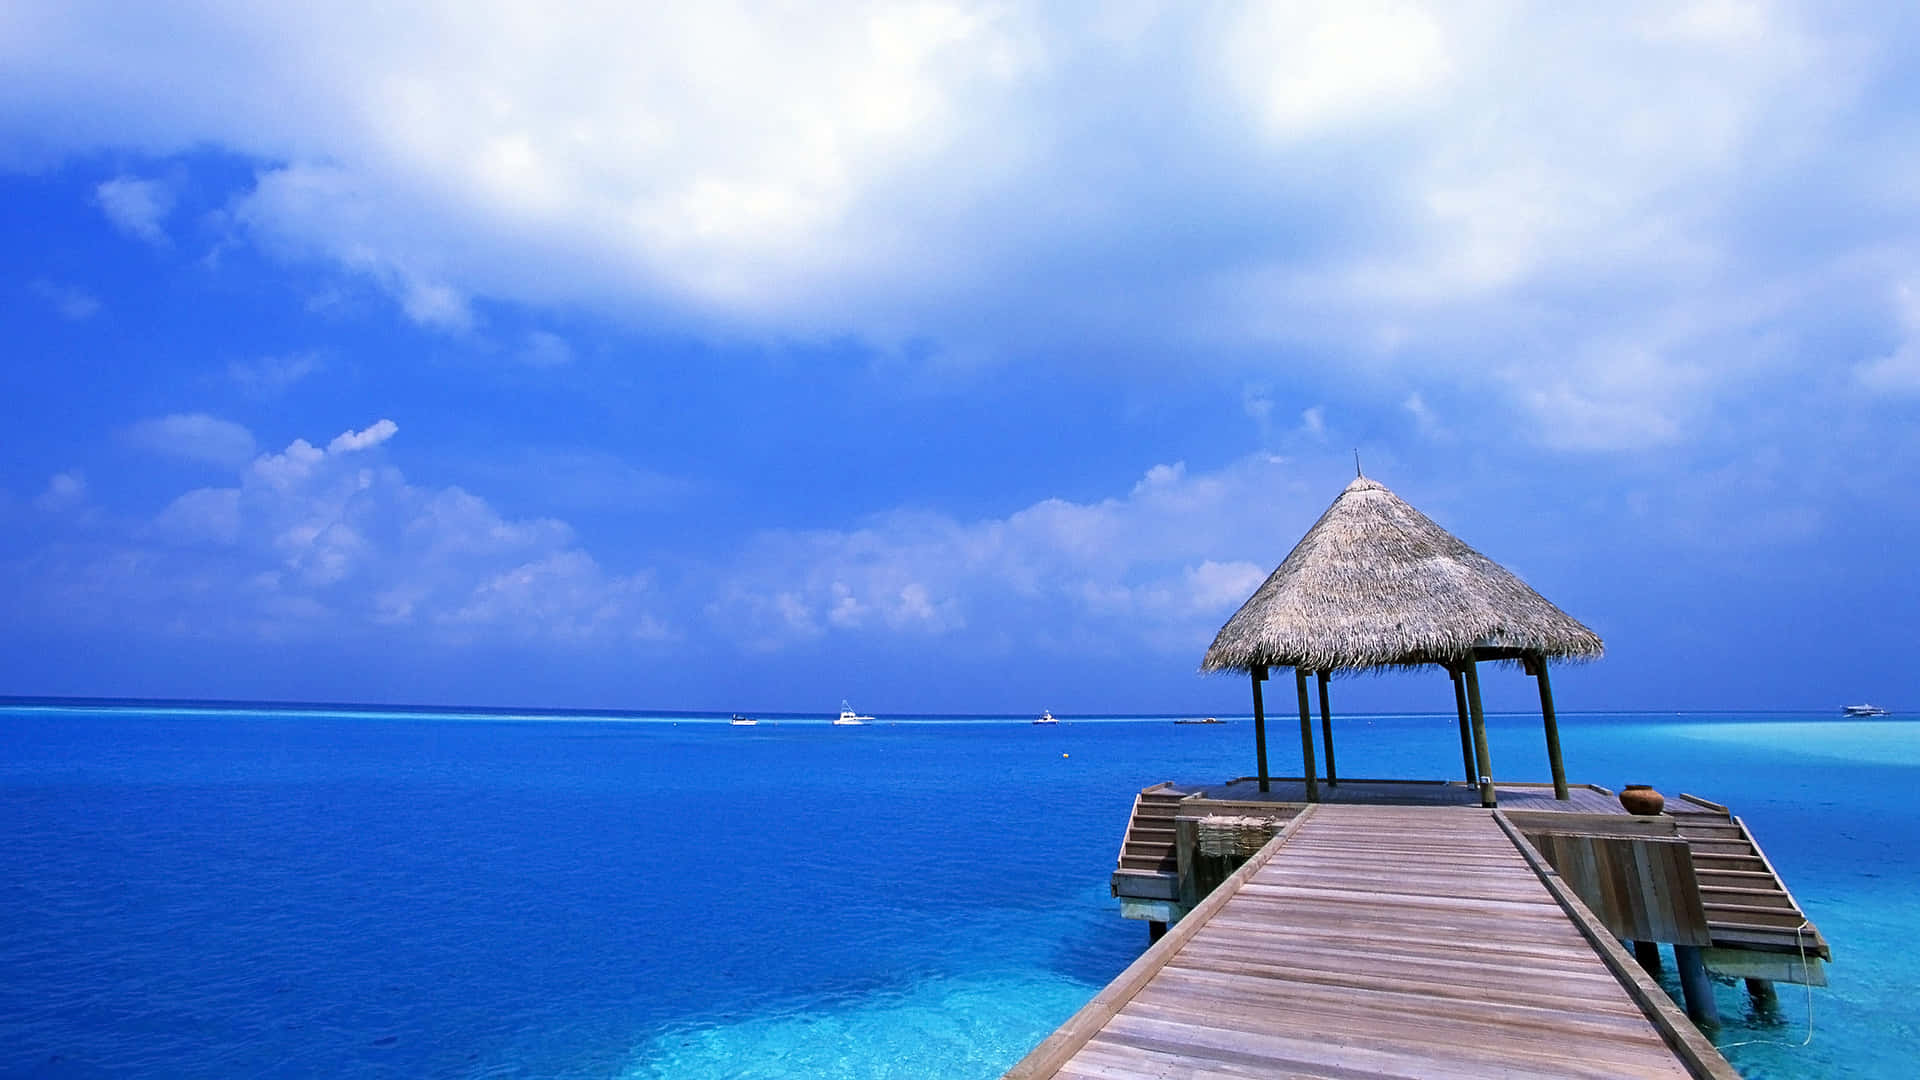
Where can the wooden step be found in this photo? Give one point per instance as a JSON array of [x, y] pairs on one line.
[[1707, 828], [1770, 939], [1720, 847], [1769, 898], [1750, 915], [1712, 860], [1730, 878]]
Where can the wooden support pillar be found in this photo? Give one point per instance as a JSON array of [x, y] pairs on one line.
[[1537, 667], [1696, 986], [1482, 756], [1761, 991], [1306, 734], [1648, 953], [1155, 931], [1466, 735], [1260, 724], [1326, 728]]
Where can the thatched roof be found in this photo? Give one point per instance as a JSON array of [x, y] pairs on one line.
[[1375, 583]]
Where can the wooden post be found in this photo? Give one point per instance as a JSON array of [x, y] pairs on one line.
[[1482, 757], [1466, 735], [1155, 930], [1761, 991], [1696, 986], [1648, 953], [1260, 724], [1306, 734], [1537, 667], [1326, 727]]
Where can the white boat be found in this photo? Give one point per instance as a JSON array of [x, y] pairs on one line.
[[1046, 717], [743, 721], [1863, 710], [847, 717]]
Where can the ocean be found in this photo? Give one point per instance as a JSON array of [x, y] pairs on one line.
[[201, 892]]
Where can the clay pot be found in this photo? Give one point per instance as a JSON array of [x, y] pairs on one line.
[[1641, 799]]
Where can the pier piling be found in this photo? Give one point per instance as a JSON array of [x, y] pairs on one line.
[[1648, 953], [1696, 986]]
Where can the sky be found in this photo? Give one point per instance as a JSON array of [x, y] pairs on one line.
[[944, 357]]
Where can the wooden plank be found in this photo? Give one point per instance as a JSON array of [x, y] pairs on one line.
[[1045, 1060], [1372, 941], [1642, 887], [1685, 1040], [1533, 821]]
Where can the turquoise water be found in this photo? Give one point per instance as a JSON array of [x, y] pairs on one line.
[[193, 892]]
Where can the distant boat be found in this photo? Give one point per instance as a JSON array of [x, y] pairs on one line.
[[847, 717], [1199, 720], [1046, 717], [1863, 710], [742, 721]]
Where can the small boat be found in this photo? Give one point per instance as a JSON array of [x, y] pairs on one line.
[[1863, 710], [742, 721], [1046, 717], [1199, 720], [847, 718]]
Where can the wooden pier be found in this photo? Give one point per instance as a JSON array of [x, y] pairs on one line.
[[1322, 925], [1381, 940], [1753, 926]]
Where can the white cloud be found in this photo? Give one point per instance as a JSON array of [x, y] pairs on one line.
[[1313, 421], [310, 542], [545, 350], [65, 490], [137, 207], [195, 437], [1351, 191], [1306, 68], [272, 376], [1898, 371], [1424, 420], [70, 303], [373, 435], [1163, 565]]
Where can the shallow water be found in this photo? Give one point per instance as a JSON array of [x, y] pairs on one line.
[[196, 892]]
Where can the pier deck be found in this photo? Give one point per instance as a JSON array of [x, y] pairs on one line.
[[1394, 941]]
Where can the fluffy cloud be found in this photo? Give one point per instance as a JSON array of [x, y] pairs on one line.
[[137, 207], [272, 376], [1153, 567], [194, 437], [313, 541], [65, 491], [72, 304], [1564, 211], [1898, 371], [545, 350], [373, 435]]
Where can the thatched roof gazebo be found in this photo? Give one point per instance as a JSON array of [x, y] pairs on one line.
[[1375, 584]]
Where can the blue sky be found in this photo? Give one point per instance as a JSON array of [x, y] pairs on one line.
[[947, 357]]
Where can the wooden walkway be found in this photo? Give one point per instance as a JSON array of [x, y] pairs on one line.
[[1379, 941]]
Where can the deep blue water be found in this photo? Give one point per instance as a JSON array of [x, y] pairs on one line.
[[218, 893]]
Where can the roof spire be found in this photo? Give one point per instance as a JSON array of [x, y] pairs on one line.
[[1357, 471]]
